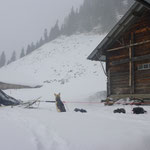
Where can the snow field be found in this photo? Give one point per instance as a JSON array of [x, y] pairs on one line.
[[61, 66], [46, 129]]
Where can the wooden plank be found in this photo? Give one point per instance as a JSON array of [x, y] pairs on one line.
[[122, 82], [115, 96], [130, 66], [123, 61], [120, 91], [142, 90], [142, 74], [118, 56], [119, 62], [113, 74], [142, 30], [108, 83], [120, 86], [144, 3], [139, 85], [127, 46], [120, 79]]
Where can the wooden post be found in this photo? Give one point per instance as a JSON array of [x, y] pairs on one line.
[[108, 84], [108, 76], [131, 66]]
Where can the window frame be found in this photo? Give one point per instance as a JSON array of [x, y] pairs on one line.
[[145, 66]]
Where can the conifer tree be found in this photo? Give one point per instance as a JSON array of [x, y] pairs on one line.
[[45, 36], [32, 47], [41, 42], [22, 53], [37, 45], [2, 59], [55, 32], [13, 57], [28, 49]]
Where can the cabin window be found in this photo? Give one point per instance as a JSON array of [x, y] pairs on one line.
[[144, 66]]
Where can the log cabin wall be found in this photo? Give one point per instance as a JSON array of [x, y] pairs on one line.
[[126, 77]]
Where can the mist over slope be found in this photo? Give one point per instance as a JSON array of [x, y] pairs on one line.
[[60, 66]]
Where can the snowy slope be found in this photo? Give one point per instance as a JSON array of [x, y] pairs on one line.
[[60, 66]]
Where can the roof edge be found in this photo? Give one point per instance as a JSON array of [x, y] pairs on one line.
[[98, 52]]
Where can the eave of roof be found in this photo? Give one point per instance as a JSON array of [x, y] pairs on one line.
[[129, 18], [145, 3]]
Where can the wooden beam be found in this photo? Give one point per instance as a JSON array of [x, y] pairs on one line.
[[130, 66], [119, 96], [127, 46], [144, 3], [132, 89], [127, 60], [142, 30]]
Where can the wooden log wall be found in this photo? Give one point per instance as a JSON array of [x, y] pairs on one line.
[[120, 74]]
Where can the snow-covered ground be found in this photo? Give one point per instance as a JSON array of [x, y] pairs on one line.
[[99, 128], [61, 66]]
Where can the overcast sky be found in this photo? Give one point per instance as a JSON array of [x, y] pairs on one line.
[[24, 21]]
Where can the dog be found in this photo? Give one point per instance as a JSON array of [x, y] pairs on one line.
[[139, 110], [80, 110], [59, 104], [120, 110]]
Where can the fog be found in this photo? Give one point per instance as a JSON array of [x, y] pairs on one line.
[[23, 21]]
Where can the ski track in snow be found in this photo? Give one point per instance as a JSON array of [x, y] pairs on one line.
[[43, 136]]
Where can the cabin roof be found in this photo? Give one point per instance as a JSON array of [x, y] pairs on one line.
[[136, 10]]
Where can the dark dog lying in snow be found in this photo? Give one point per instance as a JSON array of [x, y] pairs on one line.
[[80, 110], [120, 110], [139, 110]]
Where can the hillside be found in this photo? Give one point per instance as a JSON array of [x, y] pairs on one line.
[[60, 66]]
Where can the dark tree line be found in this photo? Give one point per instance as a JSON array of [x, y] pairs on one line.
[[91, 14], [94, 13]]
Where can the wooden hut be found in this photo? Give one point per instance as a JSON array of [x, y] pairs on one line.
[[126, 51]]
